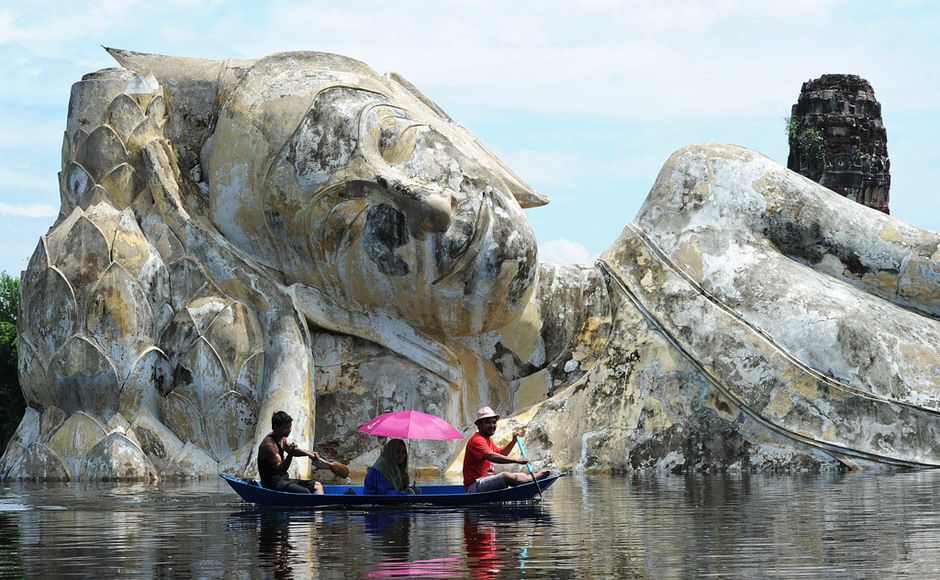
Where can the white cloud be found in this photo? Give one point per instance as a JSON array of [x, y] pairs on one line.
[[629, 60], [52, 28], [27, 129], [549, 167], [30, 210], [564, 251], [21, 181]]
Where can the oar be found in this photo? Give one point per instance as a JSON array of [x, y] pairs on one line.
[[529, 465], [338, 469]]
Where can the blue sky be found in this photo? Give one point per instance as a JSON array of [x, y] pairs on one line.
[[585, 100]]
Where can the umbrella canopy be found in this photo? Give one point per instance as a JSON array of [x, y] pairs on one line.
[[410, 425]]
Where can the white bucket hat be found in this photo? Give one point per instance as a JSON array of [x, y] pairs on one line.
[[485, 413]]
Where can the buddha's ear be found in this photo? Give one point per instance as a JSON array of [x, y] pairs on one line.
[[195, 90], [524, 194]]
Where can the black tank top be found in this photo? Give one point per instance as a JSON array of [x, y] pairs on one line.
[[265, 469]]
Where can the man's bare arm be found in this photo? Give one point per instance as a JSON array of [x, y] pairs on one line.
[[500, 458]]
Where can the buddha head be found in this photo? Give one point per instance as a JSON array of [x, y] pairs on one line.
[[359, 186]]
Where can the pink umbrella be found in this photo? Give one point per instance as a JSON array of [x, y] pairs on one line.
[[410, 425]]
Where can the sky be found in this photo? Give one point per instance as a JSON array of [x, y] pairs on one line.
[[584, 100]]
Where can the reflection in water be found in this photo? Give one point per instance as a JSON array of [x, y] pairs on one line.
[[496, 540], [10, 563], [407, 542], [274, 549], [272, 528], [738, 526], [390, 530], [479, 537]]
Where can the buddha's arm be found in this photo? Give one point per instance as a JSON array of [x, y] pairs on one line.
[[716, 260], [725, 192], [837, 236]]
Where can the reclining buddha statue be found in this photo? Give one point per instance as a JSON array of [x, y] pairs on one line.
[[300, 233]]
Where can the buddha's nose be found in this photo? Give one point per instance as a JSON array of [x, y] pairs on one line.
[[430, 209]]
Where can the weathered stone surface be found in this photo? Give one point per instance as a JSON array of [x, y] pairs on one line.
[[73, 439], [355, 379], [717, 257], [754, 328], [837, 139], [117, 458], [39, 463], [26, 432], [301, 233], [190, 462]]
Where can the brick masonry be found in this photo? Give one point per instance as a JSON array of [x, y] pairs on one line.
[[853, 160]]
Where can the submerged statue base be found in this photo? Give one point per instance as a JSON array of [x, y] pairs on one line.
[[301, 233]]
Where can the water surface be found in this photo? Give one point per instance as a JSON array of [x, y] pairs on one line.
[[665, 526]]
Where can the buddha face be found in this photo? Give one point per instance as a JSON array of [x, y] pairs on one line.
[[372, 197]]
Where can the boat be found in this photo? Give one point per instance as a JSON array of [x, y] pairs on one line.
[[352, 495]]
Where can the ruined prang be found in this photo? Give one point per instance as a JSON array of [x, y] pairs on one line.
[[838, 140]]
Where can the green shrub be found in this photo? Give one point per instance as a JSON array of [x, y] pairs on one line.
[[809, 141], [12, 405]]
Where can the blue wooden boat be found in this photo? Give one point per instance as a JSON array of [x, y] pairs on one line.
[[352, 495]]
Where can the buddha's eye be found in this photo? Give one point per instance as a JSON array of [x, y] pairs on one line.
[[397, 138]]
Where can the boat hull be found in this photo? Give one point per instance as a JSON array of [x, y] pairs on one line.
[[352, 495]]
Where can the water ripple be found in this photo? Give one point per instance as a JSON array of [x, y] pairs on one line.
[[716, 526]]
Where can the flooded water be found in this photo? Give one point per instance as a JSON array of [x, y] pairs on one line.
[[666, 526]]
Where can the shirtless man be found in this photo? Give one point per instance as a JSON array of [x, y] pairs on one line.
[[275, 455], [482, 452]]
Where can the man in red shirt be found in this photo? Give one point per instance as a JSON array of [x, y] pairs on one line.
[[481, 453]]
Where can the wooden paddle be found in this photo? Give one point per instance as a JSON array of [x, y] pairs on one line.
[[529, 465], [338, 469]]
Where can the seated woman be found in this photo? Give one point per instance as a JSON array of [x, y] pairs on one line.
[[389, 474]]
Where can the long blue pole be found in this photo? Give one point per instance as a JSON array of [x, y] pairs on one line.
[[529, 465]]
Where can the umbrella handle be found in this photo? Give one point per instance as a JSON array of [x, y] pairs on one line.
[[528, 465]]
